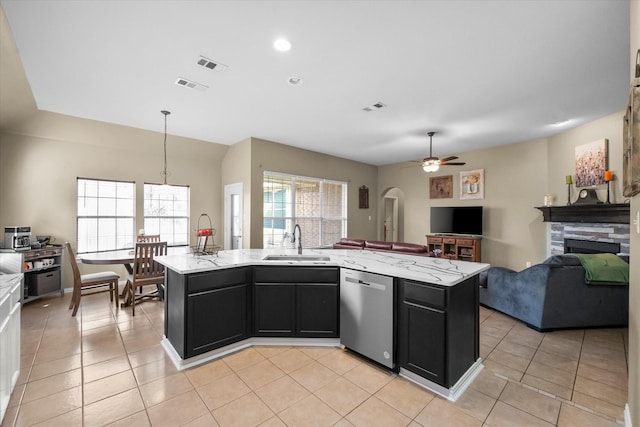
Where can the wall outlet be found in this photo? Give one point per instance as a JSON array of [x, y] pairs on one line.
[[527, 264]]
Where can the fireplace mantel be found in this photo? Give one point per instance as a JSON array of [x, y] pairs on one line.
[[618, 213]]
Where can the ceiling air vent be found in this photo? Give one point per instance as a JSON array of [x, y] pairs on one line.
[[191, 84], [376, 106], [211, 64]]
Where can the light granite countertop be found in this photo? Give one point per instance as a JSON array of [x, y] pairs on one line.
[[7, 281], [440, 271]]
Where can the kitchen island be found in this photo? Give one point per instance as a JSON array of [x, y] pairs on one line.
[[10, 293], [218, 304]]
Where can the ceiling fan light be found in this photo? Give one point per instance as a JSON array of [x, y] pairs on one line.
[[430, 166]]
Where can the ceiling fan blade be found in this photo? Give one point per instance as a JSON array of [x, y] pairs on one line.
[[446, 159], [453, 164]]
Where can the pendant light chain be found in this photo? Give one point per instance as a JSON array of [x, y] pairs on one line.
[[164, 172]]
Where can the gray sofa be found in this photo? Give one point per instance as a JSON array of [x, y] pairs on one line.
[[554, 295]]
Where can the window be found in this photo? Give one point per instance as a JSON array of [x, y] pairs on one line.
[[166, 212], [106, 215], [318, 205]]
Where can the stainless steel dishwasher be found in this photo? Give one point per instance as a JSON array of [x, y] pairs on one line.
[[366, 315]]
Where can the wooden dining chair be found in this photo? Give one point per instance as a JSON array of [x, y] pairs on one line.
[[146, 238], [90, 281], [146, 271]]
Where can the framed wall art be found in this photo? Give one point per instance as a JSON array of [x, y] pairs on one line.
[[631, 145], [472, 185], [363, 197], [441, 187], [591, 162]]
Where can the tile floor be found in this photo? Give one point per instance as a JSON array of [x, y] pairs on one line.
[[107, 368]]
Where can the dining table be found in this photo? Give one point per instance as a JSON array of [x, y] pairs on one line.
[[126, 258]]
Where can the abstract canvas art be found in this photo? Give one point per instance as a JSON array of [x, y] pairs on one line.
[[591, 162]]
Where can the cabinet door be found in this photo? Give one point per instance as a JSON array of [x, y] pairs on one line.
[[5, 369], [422, 341], [216, 317], [274, 309], [317, 310]]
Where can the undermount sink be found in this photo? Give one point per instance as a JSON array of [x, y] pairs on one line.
[[310, 258]]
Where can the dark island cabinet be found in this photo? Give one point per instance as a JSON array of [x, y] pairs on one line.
[[296, 301], [206, 311], [274, 309], [317, 310], [438, 330]]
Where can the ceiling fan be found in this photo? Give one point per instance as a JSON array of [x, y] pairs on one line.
[[432, 164]]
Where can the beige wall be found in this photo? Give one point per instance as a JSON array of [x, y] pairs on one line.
[[16, 100], [634, 288], [562, 150], [274, 157], [41, 157], [512, 188], [517, 177], [236, 168]]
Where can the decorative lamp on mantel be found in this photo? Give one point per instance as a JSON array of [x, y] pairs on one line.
[[608, 177], [569, 181]]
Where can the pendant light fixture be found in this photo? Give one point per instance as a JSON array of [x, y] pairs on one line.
[[164, 174]]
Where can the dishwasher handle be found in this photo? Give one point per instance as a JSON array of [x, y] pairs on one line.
[[363, 283]]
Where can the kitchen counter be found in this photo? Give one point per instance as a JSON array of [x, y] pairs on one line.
[[219, 304], [10, 291], [7, 281], [440, 271]]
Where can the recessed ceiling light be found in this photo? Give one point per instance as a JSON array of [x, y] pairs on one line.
[[283, 45], [295, 81]]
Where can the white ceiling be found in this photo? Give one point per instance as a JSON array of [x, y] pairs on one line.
[[480, 72]]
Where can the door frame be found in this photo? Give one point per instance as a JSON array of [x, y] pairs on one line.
[[392, 229], [229, 190]]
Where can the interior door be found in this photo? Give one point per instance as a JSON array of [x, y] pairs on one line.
[[390, 232], [233, 216]]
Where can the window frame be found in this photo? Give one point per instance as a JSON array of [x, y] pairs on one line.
[[129, 237], [294, 216], [163, 235]]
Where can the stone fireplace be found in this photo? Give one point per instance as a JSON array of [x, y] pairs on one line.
[[616, 234], [606, 223]]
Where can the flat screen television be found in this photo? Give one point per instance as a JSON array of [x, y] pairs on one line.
[[456, 220]]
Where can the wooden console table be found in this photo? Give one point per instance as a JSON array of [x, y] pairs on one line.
[[462, 248]]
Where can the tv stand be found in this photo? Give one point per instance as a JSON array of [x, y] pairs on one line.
[[461, 248]]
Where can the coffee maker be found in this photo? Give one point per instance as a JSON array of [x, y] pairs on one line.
[[17, 238]]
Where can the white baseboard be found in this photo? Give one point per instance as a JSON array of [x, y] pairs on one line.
[[452, 394], [181, 364]]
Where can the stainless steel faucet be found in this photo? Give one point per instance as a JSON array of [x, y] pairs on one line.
[[293, 237]]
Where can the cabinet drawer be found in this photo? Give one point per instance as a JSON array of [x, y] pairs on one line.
[[423, 293], [449, 240], [434, 239], [295, 275], [207, 281], [465, 242], [42, 253]]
